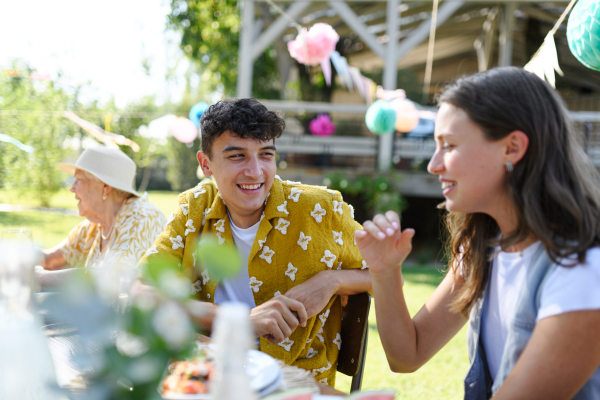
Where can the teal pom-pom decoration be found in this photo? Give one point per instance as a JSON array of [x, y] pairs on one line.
[[196, 112], [583, 33], [380, 118]]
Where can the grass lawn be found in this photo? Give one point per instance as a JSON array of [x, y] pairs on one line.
[[441, 378]]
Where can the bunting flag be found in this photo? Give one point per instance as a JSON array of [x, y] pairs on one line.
[[326, 67], [108, 138], [356, 77], [545, 61], [12, 140]]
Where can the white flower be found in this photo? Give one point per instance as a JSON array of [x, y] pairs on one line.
[[177, 242], [318, 213], [152, 250], [339, 266], [283, 208], [170, 219], [292, 183], [196, 287], [184, 208], [172, 324], [205, 277], [194, 257], [198, 190], [220, 238], [323, 380], [303, 241], [337, 207], [282, 225], [311, 353], [295, 194], [321, 370], [291, 272], [308, 340], [364, 265], [261, 243], [277, 177], [173, 284], [328, 259], [337, 237], [255, 284], [204, 214], [266, 254], [190, 227], [338, 341], [220, 225], [323, 317], [277, 293], [286, 344], [267, 198], [331, 192], [351, 210]]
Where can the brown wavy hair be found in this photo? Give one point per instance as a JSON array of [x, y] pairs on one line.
[[554, 187]]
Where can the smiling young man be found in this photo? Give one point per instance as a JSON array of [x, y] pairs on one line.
[[297, 241]]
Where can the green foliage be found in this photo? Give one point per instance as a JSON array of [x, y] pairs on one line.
[[378, 192], [31, 118], [221, 261], [210, 37]]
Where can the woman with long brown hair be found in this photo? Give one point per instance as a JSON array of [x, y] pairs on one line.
[[524, 228]]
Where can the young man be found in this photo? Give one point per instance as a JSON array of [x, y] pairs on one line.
[[297, 241]]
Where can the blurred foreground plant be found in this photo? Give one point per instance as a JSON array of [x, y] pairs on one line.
[[127, 346]]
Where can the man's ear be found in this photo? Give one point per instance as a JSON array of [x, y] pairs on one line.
[[517, 143], [203, 160]]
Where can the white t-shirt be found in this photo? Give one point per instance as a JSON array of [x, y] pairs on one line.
[[567, 289], [237, 289]]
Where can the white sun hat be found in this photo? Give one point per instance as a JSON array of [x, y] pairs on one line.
[[110, 165]]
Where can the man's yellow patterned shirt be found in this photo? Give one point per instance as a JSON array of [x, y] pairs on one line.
[[304, 230]]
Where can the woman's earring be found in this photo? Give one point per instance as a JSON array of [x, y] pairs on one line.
[[104, 197], [509, 166]]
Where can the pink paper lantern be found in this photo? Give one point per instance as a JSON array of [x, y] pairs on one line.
[[315, 45], [407, 115], [322, 126], [184, 130]]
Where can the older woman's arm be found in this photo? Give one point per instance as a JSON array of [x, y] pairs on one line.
[[53, 259]]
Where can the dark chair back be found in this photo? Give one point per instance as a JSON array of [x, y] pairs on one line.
[[355, 328]]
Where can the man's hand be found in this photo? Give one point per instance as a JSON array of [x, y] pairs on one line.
[[316, 292], [276, 319]]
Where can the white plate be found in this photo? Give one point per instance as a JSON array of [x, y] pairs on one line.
[[264, 373]]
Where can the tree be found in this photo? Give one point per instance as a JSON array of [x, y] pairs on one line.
[[210, 37], [28, 113]]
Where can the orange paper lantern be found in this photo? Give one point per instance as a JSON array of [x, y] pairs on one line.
[[407, 115]]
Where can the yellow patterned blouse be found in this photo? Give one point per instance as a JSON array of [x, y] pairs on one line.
[[136, 226], [304, 230]]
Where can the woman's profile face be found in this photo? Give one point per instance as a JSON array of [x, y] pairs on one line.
[[471, 168], [89, 193]]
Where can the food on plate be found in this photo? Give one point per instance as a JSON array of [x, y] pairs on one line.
[[188, 377]]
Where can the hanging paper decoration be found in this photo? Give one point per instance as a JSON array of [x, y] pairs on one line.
[[380, 118], [184, 130], [108, 138], [11, 140], [322, 126], [407, 115], [583, 33], [315, 45], [196, 112], [545, 61], [159, 128], [326, 68]]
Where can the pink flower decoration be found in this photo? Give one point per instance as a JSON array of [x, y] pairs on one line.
[[315, 45], [322, 125]]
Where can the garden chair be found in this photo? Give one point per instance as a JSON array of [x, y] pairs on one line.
[[354, 334]]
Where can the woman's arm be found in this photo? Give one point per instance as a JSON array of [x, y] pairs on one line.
[[408, 343], [53, 259], [563, 352]]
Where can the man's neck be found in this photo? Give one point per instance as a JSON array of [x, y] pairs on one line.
[[247, 220]]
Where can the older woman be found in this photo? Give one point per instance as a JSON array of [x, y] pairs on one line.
[[120, 224]]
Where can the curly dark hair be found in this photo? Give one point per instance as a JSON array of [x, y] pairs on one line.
[[243, 117]]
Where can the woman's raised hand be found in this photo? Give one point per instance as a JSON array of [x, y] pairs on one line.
[[382, 243]]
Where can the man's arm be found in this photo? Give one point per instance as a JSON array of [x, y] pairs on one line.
[[316, 292]]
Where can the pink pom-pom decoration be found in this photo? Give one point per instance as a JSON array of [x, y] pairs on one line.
[[407, 115], [184, 130], [322, 126], [315, 45]]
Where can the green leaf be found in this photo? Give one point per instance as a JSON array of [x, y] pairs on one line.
[[221, 260]]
